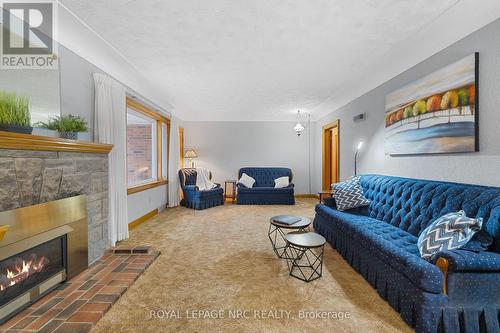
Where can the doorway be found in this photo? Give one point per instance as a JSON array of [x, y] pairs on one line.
[[331, 146]]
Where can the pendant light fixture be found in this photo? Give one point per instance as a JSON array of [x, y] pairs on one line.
[[298, 128]]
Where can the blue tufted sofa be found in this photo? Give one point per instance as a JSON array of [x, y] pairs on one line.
[[459, 291], [193, 197], [263, 191]]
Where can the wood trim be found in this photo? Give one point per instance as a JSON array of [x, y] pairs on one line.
[[10, 140], [306, 195], [142, 219], [137, 106], [168, 150], [443, 265], [144, 187], [161, 179], [326, 154], [181, 145], [3, 230], [159, 146]]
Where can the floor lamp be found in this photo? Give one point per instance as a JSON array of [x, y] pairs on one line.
[[360, 144]]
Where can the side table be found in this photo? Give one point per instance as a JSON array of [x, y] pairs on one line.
[[324, 193], [277, 232], [304, 254], [231, 195]]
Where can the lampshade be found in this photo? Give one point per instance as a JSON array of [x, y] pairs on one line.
[[190, 153]]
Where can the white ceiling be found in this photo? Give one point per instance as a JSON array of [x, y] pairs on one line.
[[263, 60]]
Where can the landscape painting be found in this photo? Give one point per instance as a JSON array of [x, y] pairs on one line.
[[435, 114]]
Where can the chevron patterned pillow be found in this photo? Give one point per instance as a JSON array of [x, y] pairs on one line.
[[450, 231], [349, 194]]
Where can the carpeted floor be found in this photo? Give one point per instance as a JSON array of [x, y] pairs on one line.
[[220, 260]]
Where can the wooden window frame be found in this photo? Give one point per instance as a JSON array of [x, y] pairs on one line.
[[161, 179]]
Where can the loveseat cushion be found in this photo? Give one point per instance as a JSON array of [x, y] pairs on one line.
[[265, 176], [246, 180], [265, 190], [391, 245]]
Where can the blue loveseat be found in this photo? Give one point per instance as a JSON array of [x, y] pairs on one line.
[[193, 197], [459, 290], [263, 191]]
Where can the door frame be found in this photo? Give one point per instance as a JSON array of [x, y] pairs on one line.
[[326, 154]]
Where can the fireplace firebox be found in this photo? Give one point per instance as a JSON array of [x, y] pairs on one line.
[[43, 246], [32, 267]]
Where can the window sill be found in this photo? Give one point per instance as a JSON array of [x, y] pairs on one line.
[[144, 187]]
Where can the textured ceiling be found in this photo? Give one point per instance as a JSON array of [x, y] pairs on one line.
[[255, 59]]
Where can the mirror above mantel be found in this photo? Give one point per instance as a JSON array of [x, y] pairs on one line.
[[31, 82]]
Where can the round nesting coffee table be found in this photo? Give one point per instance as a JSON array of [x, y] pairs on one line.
[[276, 232], [304, 253]]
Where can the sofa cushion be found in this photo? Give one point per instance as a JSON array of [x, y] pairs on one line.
[[450, 231], [412, 204], [468, 261], [349, 194], [390, 244]]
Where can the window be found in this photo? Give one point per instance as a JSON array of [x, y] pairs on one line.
[[164, 148], [141, 149], [147, 147]]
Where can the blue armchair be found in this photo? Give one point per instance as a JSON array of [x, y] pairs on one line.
[[193, 197], [263, 191]]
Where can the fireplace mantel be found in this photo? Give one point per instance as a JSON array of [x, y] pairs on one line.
[[36, 170], [34, 142]]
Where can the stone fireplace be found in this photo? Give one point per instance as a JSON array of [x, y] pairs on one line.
[[30, 177], [53, 214]]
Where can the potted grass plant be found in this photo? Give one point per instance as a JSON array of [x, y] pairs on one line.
[[67, 126], [15, 113]]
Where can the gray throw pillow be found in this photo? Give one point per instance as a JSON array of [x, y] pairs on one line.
[[349, 194], [449, 232]]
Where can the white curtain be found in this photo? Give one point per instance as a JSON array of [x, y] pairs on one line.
[[174, 163], [110, 126]]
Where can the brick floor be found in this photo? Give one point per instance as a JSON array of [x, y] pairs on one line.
[[78, 304]]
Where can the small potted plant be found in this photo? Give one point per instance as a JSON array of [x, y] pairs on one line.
[[67, 126], [14, 113]]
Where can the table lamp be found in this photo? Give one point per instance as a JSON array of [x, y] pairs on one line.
[[191, 154]]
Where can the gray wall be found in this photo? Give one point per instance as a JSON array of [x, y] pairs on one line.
[[77, 98], [478, 168], [77, 86], [224, 147]]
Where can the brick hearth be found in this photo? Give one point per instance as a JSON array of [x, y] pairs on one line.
[[78, 304]]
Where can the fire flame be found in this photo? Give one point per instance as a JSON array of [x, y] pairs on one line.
[[20, 273]]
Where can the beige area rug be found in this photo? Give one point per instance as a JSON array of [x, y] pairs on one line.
[[218, 264]]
